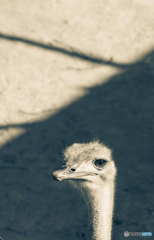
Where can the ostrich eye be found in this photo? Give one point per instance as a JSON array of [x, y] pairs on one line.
[[100, 163]]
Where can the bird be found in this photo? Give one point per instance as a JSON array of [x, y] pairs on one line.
[[90, 168]]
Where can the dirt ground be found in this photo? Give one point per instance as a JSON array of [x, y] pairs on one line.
[[71, 71]]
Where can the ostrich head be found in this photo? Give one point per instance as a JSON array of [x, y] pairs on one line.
[[87, 164], [89, 168]]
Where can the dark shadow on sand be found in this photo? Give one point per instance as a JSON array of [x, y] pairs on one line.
[[121, 114]]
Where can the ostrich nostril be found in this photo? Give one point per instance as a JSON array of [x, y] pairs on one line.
[[72, 170]]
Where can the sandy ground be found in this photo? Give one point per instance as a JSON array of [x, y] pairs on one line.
[[71, 71]]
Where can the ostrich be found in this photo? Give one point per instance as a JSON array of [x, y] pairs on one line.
[[90, 168]]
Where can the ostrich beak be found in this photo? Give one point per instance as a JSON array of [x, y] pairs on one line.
[[68, 174], [62, 174], [58, 175]]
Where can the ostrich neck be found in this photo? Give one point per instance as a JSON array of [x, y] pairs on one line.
[[100, 203]]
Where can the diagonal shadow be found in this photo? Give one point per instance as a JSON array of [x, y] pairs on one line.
[[69, 52], [119, 112]]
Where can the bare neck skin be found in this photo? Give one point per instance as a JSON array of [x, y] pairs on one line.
[[100, 202]]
